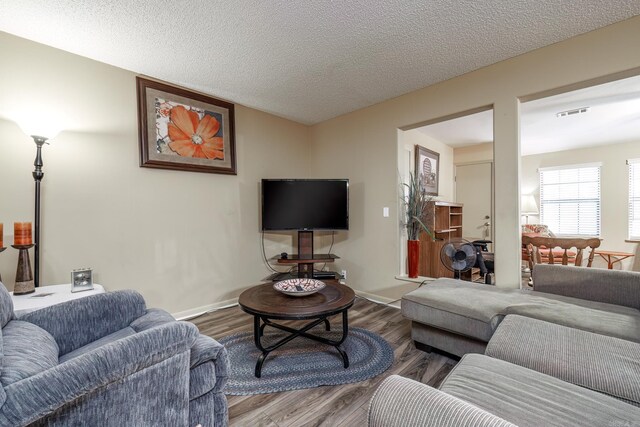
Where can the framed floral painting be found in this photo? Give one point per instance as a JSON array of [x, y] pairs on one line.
[[184, 130]]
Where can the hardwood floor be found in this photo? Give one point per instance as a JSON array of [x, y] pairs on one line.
[[343, 405]]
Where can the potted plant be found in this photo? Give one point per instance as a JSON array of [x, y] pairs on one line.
[[415, 202]]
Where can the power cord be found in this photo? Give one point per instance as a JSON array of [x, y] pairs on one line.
[[266, 262], [424, 282], [379, 302], [333, 235]]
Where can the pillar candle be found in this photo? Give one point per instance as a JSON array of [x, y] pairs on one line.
[[1, 235], [22, 233]]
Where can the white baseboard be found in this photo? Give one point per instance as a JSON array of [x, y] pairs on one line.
[[194, 312], [374, 297]]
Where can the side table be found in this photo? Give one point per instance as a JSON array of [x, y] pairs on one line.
[[45, 296], [613, 256]]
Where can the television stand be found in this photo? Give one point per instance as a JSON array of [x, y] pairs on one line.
[[305, 258]]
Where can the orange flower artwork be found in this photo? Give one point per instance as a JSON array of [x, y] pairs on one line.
[[194, 137]]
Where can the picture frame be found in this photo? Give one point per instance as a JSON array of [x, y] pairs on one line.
[[81, 280], [427, 167], [184, 130]]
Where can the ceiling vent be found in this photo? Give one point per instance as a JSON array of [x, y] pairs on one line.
[[572, 112]]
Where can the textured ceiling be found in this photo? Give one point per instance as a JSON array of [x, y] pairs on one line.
[[305, 60], [462, 131], [613, 117]]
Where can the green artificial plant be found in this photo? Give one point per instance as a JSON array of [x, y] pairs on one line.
[[415, 202]]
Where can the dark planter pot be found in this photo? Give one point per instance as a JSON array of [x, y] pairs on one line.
[[413, 257]]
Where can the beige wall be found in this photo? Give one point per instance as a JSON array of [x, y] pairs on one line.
[[364, 143], [187, 240], [473, 153], [409, 139], [183, 239], [614, 188]]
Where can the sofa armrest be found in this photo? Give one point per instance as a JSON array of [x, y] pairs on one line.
[[403, 402], [76, 323], [35, 397], [594, 284]]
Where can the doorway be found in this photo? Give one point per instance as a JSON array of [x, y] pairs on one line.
[[567, 134], [474, 189], [460, 144]]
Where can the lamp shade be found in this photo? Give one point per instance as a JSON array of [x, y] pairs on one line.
[[45, 126], [528, 205]]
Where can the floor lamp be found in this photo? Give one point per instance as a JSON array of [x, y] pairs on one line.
[[46, 125], [37, 176]]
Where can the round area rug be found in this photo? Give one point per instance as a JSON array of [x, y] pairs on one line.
[[304, 363]]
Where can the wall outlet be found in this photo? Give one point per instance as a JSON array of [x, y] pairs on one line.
[[343, 274]]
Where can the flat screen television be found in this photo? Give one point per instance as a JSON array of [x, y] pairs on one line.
[[305, 204]]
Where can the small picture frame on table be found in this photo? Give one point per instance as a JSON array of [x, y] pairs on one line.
[[81, 280]]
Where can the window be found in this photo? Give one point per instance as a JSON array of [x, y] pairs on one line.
[[570, 199], [634, 199]]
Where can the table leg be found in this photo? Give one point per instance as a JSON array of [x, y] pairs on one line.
[[262, 329], [259, 325], [607, 258], [258, 329], [345, 331], [257, 333]]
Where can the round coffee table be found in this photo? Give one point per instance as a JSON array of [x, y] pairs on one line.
[[265, 304]]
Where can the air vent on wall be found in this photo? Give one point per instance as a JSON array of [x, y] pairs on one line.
[[572, 112]]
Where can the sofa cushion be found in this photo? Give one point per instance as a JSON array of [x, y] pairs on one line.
[[475, 310], [600, 318], [598, 362], [457, 306], [122, 333], [536, 229], [28, 350], [529, 398]]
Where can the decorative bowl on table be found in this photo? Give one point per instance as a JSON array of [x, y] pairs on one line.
[[299, 287]]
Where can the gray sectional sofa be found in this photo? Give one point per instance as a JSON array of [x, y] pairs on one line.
[[565, 354], [460, 317]]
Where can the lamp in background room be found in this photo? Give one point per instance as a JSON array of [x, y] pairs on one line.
[[41, 131], [528, 206]]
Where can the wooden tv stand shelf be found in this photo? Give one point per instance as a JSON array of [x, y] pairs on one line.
[[305, 258], [316, 258]]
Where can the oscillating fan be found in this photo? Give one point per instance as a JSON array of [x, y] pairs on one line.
[[458, 255]]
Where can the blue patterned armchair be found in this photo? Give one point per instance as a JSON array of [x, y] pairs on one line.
[[107, 360]]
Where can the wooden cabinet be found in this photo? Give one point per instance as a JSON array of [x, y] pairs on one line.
[[445, 221]]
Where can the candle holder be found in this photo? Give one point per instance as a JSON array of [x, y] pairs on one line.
[[24, 275], [1, 250]]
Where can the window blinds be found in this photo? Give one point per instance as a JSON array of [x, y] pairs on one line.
[[634, 199], [570, 199]]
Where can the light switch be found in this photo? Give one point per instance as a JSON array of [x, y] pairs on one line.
[[385, 212]]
